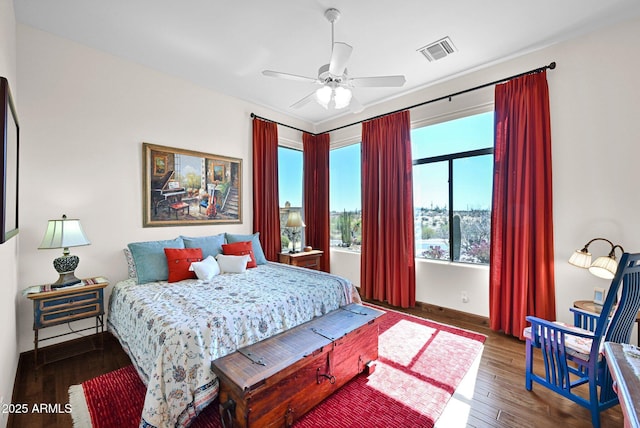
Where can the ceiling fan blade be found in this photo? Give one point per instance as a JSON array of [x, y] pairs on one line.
[[271, 73], [377, 81], [339, 58], [355, 105], [304, 101]]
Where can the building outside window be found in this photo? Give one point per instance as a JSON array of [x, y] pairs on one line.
[[452, 187]]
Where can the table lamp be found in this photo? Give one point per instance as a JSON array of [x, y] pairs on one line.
[[294, 220], [64, 233]]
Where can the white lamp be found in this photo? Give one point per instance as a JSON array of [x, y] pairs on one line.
[[294, 220], [331, 91], [341, 97], [64, 233], [323, 95], [603, 267]]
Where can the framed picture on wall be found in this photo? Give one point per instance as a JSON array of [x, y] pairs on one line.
[[185, 187], [9, 163]]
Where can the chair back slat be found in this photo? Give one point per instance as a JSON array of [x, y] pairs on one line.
[[627, 311], [553, 354]]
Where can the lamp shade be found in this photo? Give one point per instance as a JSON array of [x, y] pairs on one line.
[[63, 233], [581, 259], [342, 97], [323, 95], [604, 267], [294, 220]]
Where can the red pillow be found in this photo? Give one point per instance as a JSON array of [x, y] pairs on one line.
[[240, 249], [179, 260]]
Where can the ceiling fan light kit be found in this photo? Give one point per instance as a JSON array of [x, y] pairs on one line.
[[339, 95], [335, 90]]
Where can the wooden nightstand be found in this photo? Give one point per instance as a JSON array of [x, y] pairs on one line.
[[308, 259], [67, 304]]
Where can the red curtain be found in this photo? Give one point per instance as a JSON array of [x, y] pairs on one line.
[[387, 271], [521, 276], [266, 212], [315, 166]]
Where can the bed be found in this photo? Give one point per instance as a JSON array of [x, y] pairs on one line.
[[172, 331]]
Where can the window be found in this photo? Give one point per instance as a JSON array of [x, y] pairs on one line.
[[452, 185], [345, 201], [290, 194]]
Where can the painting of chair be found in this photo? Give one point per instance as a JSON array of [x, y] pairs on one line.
[[573, 356]]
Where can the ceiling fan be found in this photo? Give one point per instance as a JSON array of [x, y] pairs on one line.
[[335, 90]]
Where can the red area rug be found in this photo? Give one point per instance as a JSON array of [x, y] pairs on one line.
[[420, 365]]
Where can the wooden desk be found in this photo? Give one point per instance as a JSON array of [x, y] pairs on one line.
[[589, 306], [626, 383]]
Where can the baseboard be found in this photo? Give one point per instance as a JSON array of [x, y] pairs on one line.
[[475, 319], [428, 310]]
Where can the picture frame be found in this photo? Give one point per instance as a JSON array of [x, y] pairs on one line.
[[599, 295], [159, 165], [218, 172], [185, 187], [9, 162]]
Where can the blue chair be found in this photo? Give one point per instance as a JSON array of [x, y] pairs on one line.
[[572, 355]]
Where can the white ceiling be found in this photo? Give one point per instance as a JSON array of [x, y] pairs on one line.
[[225, 45]]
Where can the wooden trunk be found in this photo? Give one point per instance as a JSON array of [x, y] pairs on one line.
[[274, 382]]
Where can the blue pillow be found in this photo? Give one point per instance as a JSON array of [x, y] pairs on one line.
[[211, 245], [150, 260], [255, 242]]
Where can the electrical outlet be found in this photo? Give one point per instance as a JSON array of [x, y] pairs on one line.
[[465, 297]]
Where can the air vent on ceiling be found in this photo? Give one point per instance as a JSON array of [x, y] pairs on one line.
[[438, 50]]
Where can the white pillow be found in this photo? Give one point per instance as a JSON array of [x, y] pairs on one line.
[[233, 264], [206, 269]]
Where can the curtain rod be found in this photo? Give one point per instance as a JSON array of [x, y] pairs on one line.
[[551, 66]]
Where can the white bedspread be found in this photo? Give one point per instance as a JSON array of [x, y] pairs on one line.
[[173, 331]]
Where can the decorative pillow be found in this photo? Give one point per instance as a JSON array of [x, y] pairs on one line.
[[150, 260], [240, 249], [255, 241], [206, 269], [179, 260], [211, 245], [131, 265], [232, 264]]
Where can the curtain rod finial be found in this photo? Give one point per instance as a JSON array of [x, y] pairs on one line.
[[552, 65]]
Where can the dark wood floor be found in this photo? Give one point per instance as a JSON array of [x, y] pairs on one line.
[[499, 399]]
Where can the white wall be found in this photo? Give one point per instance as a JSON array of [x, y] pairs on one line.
[[595, 123], [8, 250], [84, 117]]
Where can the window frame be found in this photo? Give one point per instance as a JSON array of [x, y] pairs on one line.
[[355, 247], [283, 207], [449, 158]]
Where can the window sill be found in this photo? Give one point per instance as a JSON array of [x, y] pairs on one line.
[[343, 250], [462, 265]]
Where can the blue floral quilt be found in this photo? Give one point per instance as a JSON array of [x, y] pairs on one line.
[[172, 331]]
